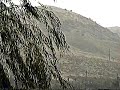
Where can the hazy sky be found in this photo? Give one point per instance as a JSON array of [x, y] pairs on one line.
[[104, 12]]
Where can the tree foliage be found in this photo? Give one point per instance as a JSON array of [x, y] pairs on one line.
[[27, 52]]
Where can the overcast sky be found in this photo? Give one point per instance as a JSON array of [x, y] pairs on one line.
[[104, 12]]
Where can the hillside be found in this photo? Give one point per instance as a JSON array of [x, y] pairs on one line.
[[90, 44], [86, 35]]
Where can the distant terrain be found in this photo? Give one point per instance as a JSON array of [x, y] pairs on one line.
[[94, 49], [115, 30]]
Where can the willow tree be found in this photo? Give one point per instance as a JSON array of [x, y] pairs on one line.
[[28, 52]]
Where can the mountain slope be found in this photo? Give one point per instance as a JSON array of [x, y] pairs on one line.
[[86, 35], [91, 45]]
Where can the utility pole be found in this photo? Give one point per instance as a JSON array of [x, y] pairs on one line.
[[118, 80], [86, 75], [109, 54]]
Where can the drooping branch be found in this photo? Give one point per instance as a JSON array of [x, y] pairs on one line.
[[27, 52]]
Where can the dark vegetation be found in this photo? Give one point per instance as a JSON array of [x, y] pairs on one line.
[[27, 55]]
